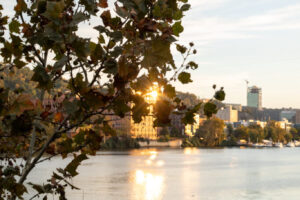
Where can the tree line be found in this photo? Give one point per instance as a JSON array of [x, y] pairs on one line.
[[213, 132]]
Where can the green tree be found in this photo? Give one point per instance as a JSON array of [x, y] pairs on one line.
[[256, 133], [230, 130], [104, 75], [211, 132], [295, 133], [288, 137], [241, 133], [274, 132]]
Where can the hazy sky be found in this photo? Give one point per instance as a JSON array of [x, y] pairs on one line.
[[257, 40]]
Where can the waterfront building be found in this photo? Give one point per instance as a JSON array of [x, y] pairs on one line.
[[189, 129], [247, 123], [228, 114], [144, 129], [254, 97], [284, 124]]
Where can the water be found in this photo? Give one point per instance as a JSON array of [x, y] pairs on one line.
[[188, 174]]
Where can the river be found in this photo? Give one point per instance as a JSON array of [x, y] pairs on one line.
[[187, 174]]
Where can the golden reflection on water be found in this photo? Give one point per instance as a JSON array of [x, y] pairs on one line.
[[148, 184], [191, 150]]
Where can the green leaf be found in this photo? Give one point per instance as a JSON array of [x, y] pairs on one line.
[[210, 109], [177, 28], [193, 65], [184, 77], [60, 63], [169, 91], [220, 95], [189, 118], [19, 63], [54, 9], [162, 111], [185, 7], [122, 12], [177, 15], [14, 26], [73, 165], [42, 78], [158, 54], [180, 48], [139, 109]]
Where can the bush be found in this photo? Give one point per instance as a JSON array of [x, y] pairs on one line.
[[164, 138], [192, 142], [120, 143]]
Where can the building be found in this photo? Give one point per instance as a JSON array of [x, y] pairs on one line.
[[262, 124], [284, 124], [297, 117], [144, 129], [237, 107], [254, 97], [288, 115], [228, 114], [189, 129], [122, 126], [176, 122]]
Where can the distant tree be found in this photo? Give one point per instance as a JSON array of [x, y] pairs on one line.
[[230, 130], [288, 137], [256, 133], [295, 133], [241, 132], [211, 132], [274, 132]]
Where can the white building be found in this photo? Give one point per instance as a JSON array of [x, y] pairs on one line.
[[228, 114]]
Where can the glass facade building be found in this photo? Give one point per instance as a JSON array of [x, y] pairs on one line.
[[254, 97]]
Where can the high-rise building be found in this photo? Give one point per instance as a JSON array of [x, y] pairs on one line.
[[254, 97]]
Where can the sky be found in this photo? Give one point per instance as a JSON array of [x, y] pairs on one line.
[[238, 40]]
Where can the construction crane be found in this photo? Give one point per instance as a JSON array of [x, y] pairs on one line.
[[247, 83]]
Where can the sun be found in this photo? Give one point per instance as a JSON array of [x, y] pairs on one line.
[[154, 94]]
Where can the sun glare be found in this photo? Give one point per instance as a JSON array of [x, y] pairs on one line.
[[154, 95]]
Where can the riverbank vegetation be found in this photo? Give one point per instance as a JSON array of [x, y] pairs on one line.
[[120, 143], [212, 134]]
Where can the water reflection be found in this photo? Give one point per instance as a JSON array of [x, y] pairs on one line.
[[184, 174], [147, 181], [148, 186], [190, 151]]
